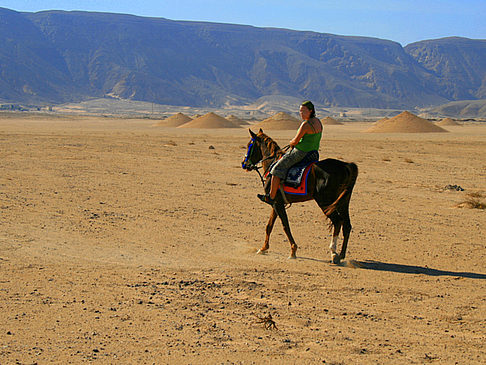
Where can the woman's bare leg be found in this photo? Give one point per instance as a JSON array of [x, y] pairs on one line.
[[274, 186]]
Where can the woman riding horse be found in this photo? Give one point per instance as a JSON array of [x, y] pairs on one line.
[[330, 183], [306, 140]]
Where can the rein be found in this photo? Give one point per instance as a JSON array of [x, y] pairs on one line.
[[248, 165]]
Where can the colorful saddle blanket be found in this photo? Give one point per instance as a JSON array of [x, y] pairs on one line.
[[299, 185], [296, 180]]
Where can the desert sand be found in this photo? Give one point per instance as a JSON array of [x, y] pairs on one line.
[[124, 243], [405, 122], [234, 119], [279, 121], [448, 122], [380, 121], [174, 120], [330, 121], [209, 121]]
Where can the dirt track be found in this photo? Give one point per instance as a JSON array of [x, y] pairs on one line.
[[125, 243]]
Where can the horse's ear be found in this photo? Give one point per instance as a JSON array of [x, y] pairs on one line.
[[253, 135], [261, 131]]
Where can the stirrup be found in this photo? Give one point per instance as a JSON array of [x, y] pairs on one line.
[[266, 199]]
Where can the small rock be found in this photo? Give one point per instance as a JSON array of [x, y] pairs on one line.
[[211, 147], [453, 187]]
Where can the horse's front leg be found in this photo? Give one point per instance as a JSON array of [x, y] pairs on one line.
[[280, 209], [270, 224]]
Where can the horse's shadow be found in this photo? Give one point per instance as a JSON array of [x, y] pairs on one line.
[[399, 268], [409, 269]]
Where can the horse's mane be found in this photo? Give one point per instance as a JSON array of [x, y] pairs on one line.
[[272, 146]]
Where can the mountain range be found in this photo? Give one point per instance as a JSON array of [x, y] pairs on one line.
[[58, 57]]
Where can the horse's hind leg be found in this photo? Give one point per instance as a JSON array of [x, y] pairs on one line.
[[337, 222], [280, 209], [271, 222], [346, 232]]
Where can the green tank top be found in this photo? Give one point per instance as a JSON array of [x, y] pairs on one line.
[[310, 142]]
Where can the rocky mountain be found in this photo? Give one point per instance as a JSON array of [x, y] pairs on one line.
[[463, 109], [31, 69], [458, 64], [56, 56]]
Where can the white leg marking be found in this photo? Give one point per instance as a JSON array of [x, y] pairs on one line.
[[333, 245]]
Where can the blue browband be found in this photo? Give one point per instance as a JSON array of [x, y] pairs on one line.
[[248, 153]]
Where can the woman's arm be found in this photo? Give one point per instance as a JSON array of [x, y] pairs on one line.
[[303, 130]]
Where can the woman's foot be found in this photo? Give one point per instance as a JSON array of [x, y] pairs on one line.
[[266, 199]]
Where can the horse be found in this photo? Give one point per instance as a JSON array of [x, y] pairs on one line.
[[330, 183]]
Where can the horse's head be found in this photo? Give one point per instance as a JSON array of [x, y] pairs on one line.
[[253, 153]]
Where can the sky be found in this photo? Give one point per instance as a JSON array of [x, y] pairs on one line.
[[402, 21]]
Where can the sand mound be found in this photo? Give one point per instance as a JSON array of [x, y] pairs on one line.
[[330, 121], [405, 122], [209, 121], [236, 120], [174, 120], [279, 121], [380, 121], [447, 122]]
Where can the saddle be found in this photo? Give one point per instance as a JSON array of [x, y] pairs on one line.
[[296, 172], [296, 180]]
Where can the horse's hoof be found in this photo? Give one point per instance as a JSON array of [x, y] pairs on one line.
[[261, 252], [292, 257], [336, 259]]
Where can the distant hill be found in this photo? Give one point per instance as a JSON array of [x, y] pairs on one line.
[[31, 68], [59, 57], [459, 65], [475, 109]]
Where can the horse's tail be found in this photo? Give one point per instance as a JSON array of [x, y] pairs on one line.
[[347, 187]]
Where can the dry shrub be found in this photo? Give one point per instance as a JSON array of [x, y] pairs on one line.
[[473, 201]]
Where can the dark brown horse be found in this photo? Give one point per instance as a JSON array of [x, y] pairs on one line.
[[330, 184]]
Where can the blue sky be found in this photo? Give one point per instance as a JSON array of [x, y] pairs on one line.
[[403, 21]]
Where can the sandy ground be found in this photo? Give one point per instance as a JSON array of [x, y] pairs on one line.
[[126, 243]]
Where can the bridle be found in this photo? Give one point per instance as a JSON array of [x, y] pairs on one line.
[[248, 165]]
